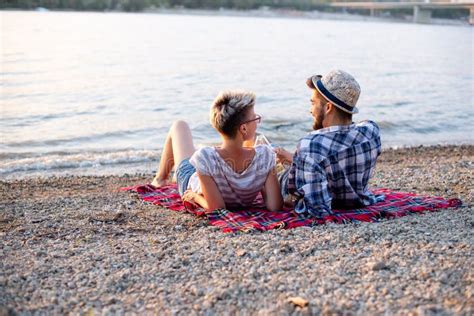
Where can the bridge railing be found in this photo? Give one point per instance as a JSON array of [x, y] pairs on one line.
[[421, 9]]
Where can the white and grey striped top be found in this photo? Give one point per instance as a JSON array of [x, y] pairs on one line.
[[237, 189]]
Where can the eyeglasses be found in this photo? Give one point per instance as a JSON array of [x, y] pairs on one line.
[[257, 118]]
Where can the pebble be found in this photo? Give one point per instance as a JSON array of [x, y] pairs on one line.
[[377, 266]]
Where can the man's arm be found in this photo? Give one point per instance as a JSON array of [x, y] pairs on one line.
[[283, 156]]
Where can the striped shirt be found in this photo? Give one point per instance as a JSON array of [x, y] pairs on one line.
[[331, 169], [237, 189]]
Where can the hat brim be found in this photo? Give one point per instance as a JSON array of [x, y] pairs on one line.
[[312, 83]]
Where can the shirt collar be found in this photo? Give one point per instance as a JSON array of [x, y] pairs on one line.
[[335, 128]]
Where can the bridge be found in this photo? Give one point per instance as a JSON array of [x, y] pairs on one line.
[[421, 10]]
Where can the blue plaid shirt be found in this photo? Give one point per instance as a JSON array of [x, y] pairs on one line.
[[332, 167]]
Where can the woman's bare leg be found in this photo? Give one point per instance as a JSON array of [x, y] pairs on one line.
[[166, 164], [178, 146]]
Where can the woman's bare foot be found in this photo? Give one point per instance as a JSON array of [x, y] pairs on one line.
[[159, 182]]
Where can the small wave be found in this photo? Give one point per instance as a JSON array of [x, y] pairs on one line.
[[21, 73], [393, 105], [29, 120], [71, 161], [25, 60], [23, 96], [395, 74], [281, 121], [280, 99], [80, 139], [425, 129], [386, 124], [402, 103]]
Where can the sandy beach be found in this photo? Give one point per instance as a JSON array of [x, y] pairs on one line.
[[78, 245]]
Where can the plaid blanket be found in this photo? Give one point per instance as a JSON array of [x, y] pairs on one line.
[[396, 204]]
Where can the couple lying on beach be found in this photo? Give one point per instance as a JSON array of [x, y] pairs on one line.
[[330, 168]]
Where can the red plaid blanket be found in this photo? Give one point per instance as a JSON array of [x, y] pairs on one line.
[[396, 204]]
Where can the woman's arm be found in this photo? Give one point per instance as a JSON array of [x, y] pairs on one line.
[[194, 198], [271, 192], [211, 196], [209, 189], [283, 156]]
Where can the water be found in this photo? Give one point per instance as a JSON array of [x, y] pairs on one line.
[[96, 92]]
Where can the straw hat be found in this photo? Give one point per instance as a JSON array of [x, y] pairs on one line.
[[339, 88]]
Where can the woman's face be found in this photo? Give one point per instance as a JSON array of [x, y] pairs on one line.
[[251, 122]]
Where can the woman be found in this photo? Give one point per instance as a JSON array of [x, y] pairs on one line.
[[231, 175]]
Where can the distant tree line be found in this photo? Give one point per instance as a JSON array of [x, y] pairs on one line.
[[140, 5]]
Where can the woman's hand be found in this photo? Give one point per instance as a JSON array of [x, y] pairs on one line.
[[283, 156], [190, 197]]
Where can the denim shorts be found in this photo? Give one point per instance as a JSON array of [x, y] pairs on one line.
[[184, 171]]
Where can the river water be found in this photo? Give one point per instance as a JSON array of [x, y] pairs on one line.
[[96, 92]]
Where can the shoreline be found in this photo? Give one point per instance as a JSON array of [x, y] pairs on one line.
[[76, 244], [141, 162], [274, 13], [308, 15], [413, 157]]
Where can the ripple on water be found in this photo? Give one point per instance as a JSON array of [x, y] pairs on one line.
[[386, 125], [98, 137], [393, 105]]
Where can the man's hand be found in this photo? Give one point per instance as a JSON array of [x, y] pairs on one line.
[[283, 156]]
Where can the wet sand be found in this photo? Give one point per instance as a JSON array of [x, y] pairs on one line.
[[77, 244]]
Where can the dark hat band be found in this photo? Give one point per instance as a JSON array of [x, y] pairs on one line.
[[332, 97]]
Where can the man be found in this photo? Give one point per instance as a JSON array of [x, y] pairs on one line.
[[332, 165]]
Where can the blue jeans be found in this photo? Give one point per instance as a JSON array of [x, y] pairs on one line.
[[184, 171]]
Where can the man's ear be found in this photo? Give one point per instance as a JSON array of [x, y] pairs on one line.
[[330, 107]]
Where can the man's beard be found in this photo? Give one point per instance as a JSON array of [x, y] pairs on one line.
[[318, 121]]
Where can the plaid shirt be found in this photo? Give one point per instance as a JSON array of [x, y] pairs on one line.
[[332, 167]]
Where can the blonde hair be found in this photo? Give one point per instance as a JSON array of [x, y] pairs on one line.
[[229, 109]]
